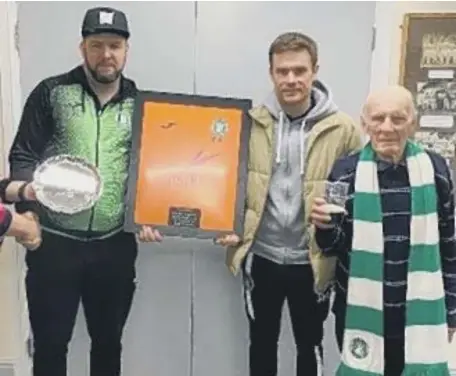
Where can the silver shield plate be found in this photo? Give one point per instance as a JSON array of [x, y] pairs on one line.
[[67, 184]]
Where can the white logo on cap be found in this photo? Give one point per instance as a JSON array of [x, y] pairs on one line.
[[106, 18]]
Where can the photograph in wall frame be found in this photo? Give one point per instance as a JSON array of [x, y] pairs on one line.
[[427, 67], [188, 169], [436, 103], [436, 97], [441, 143], [438, 50]]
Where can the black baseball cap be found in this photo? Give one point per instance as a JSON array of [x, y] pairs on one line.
[[105, 20]]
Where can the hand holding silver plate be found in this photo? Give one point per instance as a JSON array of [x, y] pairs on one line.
[[67, 184]]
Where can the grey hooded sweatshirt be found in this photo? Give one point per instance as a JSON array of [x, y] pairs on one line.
[[282, 236]]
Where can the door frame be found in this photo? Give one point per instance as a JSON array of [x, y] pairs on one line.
[[11, 105], [385, 29]]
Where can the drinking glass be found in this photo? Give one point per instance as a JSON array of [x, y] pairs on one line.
[[336, 194]]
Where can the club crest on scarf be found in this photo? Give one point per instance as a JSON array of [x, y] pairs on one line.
[[425, 331], [359, 348]]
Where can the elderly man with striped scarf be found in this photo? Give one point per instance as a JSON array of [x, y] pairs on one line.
[[395, 301]]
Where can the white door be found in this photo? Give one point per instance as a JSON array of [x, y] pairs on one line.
[[188, 317]]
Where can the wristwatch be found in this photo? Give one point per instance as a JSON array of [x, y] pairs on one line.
[[3, 185], [21, 192]]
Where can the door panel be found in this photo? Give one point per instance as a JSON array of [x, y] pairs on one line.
[[161, 57], [232, 60], [221, 331], [158, 333]]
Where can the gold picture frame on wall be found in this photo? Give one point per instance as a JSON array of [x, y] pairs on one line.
[[428, 70]]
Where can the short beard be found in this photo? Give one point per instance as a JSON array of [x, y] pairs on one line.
[[102, 79]]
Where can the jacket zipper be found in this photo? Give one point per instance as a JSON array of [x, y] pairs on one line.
[[268, 185], [97, 152], [310, 145], [306, 156], [263, 205]]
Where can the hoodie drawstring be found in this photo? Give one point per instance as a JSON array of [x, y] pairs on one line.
[[302, 140], [279, 138], [302, 136]]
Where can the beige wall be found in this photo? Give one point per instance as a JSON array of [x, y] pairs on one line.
[[7, 275], [8, 337], [7, 261]]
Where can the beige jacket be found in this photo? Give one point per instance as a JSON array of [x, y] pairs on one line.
[[329, 139]]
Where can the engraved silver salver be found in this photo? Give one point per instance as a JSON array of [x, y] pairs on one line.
[[67, 184]]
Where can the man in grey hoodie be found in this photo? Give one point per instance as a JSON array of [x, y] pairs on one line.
[[297, 134], [282, 237]]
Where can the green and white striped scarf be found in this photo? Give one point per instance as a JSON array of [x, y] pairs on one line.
[[426, 341]]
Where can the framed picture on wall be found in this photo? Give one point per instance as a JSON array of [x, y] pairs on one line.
[[428, 66]]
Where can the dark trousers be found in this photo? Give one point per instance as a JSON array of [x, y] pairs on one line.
[[64, 272], [394, 352], [272, 284]]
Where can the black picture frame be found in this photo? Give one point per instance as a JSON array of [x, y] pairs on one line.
[[141, 99], [428, 69], [424, 67]]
